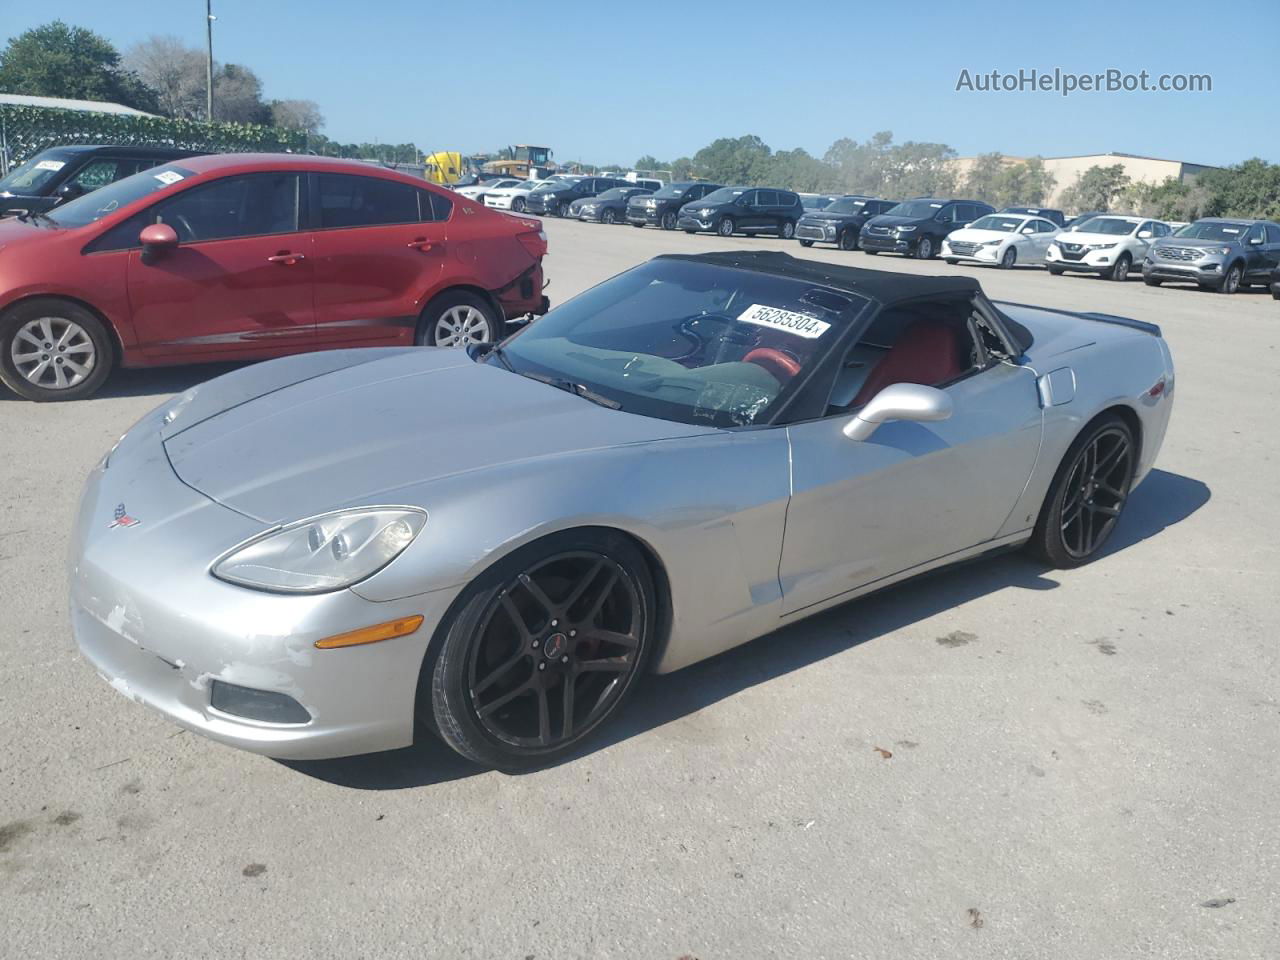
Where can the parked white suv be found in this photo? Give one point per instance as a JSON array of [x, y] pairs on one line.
[[1002, 239], [1107, 245], [513, 197]]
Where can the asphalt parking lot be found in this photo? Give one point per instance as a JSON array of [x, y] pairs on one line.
[[996, 761]]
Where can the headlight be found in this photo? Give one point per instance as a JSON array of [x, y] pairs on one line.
[[319, 554], [1225, 251], [1100, 246], [991, 243], [905, 229], [706, 212]]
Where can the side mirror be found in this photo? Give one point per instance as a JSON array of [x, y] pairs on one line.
[[1144, 234], [899, 401], [157, 239], [69, 191], [1255, 241], [1028, 230]]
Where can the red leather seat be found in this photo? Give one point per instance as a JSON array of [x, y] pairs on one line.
[[928, 352]]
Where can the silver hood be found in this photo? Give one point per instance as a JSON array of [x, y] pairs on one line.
[[382, 422]]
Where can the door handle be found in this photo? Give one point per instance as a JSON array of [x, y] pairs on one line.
[[425, 245], [287, 258]]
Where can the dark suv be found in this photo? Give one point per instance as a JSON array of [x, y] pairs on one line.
[[663, 208], [731, 210], [64, 173], [1216, 254], [840, 221], [556, 197], [916, 228]]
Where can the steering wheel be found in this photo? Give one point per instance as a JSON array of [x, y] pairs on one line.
[[698, 342], [781, 365], [182, 226]]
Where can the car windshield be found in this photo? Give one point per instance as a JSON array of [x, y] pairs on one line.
[[724, 195], [846, 205], [1110, 226], [1209, 230], [996, 222], [673, 192], [916, 209], [688, 341], [107, 200], [29, 179]]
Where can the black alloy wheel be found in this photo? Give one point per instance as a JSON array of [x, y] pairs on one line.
[[1088, 495], [544, 649]]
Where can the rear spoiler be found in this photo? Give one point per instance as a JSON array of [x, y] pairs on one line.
[[1111, 318]]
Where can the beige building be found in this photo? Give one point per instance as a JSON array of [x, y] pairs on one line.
[[1066, 170]]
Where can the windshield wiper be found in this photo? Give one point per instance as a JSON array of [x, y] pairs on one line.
[[577, 389]]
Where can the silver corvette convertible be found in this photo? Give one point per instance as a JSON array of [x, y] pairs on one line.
[[319, 555]]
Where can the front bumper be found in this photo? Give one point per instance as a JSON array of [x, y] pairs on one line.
[[685, 222], [1092, 261], [886, 243], [1209, 271], [498, 203], [159, 628], [988, 255], [816, 233], [644, 215]]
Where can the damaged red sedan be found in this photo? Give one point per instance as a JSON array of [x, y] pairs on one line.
[[241, 257]]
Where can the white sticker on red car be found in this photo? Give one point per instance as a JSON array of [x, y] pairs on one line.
[[54, 165], [788, 321], [168, 177]]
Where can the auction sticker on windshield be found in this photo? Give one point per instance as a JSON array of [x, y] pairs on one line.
[[168, 177], [775, 318], [54, 165]]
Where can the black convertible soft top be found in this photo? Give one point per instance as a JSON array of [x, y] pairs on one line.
[[881, 285]]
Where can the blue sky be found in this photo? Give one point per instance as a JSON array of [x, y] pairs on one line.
[[607, 82]]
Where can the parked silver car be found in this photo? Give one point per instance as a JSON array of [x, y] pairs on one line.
[[301, 557]]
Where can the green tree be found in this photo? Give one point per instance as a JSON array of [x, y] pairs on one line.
[[1023, 184], [734, 160], [57, 60], [981, 183], [1098, 188], [1249, 189], [649, 162], [920, 170]]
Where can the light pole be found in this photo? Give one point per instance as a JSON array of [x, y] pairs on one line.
[[208, 72]]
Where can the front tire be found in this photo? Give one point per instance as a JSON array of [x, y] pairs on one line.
[[53, 350], [1152, 281], [1120, 270], [849, 240], [725, 227], [806, 243], [608, 216], [542, 649], [1087, 496], [669, 221], [562, 209], [1008, 259], [1231, 282], [1055, 271], [924, 248], [458, 319], [518, 204]]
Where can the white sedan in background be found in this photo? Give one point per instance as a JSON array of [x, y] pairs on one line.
[[513, 197], [478, 191], [1001, 239]]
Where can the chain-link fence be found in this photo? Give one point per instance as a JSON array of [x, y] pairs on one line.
[[25, 131]]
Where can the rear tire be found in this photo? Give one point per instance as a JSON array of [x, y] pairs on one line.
[[588, 592], [1087, 496], [53, 350], [458, 319]]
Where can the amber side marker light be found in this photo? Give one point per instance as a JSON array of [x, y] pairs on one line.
[[382, 631]]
